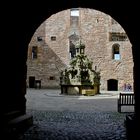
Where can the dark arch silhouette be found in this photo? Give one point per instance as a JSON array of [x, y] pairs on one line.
[[19, 22]]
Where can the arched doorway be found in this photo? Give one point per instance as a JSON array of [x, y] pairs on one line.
[[30, 19], [112, 85]]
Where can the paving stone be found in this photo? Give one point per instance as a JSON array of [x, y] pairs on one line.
[[73, 117], [84, 126]]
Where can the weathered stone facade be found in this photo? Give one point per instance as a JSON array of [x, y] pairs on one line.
[[99, 32]]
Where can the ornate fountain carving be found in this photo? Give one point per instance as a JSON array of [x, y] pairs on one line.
[[80, 78]]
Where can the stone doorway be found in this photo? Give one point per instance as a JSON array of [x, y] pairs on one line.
[[31, 81], [112, 85]]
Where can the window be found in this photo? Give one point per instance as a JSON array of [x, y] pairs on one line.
[[53, 38], [39, 38], [72, 41], [117, 37], [116, 51], [74, 12], [34, 52], [97, 20], [72, 50], [117, 56], [52, 78]]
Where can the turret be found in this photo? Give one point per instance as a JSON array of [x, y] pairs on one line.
[[80, 48]]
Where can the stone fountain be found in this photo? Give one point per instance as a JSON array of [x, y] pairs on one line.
[[80, 78]]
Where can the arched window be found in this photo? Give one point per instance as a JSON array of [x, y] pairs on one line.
[[34, 52], [72, 50], [72, 41], [116, 52]]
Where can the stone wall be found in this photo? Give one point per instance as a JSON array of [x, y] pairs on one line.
[[94, 28]]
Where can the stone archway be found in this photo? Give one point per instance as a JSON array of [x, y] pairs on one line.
[[25, 20]]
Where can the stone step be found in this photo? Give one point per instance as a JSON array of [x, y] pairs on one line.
[[11, 115], [18, 125], [22, 120]]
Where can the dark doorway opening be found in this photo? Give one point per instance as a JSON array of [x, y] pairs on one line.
[[31, 82], [112, 85]]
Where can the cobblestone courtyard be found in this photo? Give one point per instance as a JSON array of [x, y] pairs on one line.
[[61, 117]]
